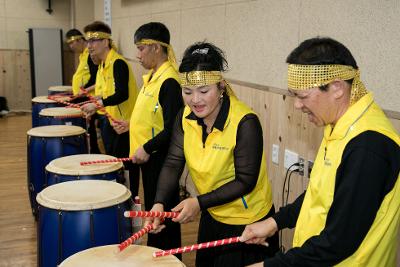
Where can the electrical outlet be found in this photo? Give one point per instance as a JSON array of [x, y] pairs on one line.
[[310, 165], [275, 154], [290, 158], [301, 166]]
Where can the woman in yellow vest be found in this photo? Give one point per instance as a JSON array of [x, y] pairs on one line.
[[221, 141], [152, 119], [115, 89], [84, 77], [349, 214]]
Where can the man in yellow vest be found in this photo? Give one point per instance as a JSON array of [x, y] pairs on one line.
[[152, 119], [349, 214], [115, 89], [84, 77]]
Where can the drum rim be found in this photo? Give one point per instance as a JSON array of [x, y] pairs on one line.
[[80, 170], [88, 185], [42, 99], [72, 259], [62, 131], [56, 111], [60, 88]]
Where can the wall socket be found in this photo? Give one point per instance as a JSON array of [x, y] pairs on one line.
[[275, 154], [290, 158]]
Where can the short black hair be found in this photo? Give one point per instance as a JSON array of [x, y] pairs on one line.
[[322, 51], [203, 56], [97, 26], [73, 32], [153, 30]]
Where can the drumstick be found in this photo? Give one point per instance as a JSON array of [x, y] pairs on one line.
[[104, 161], [151, 214], [69, 116], [63, 102], [191, 248], [134, 237]]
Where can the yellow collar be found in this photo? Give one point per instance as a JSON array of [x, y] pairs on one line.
[[154, 76]]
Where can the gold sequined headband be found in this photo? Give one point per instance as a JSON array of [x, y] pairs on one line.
[[101, 35], [170, 50], [74, 38], [203, 78], [303, 77]]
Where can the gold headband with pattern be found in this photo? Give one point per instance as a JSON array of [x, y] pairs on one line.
[[303, 77], [170, 51], [101, 35], [74, 38], [204, 78]]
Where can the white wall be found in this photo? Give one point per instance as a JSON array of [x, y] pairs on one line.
[[257, 35]]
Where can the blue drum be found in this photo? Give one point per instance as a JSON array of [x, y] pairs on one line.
[[45, 144], [60, 90], [39, 103], [69, 169], [62, 116], [77, 215]]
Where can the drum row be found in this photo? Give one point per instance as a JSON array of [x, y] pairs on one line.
[[79, 208]]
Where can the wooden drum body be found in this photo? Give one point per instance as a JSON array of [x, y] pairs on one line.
[[77, 215], [69, 169], [45, 144]]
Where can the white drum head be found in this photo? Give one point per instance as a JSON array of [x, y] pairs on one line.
[[60, 111], [70, 165], [61, 88], [83, 195], [42, 99], [56, 131], [132, 256]]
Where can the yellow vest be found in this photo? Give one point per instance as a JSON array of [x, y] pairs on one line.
[[147, 118], [105, 87], [82, 73], [379, 245], [212, 166]]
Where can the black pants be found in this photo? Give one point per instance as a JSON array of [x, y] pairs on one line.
[[170, 237], [239, 254]]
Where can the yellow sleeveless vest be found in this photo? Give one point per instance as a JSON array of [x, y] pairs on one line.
[[379, 245], [212, 166], [105, 87], [82, 73], [147, 118]]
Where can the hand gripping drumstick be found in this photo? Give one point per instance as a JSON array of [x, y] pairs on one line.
[[104, 161], [191, 248], [151, 214]]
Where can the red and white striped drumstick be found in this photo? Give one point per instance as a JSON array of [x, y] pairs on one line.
[[104, 161], [69, 116], [151, 214], [134, 237], [63, 102], [191, 248]]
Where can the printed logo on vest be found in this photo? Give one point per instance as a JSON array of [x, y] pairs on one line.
[[219, 147], [327, 162]]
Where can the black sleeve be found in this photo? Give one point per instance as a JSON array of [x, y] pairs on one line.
[[173, 164], [93, 72], [369, 169], [121, 80], [287, 216], [247, 161], [170, 99]]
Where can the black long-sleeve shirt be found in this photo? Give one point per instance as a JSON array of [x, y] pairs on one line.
[[247, 159], [93, 72], [121, 83], [368, 171], [170, 99]]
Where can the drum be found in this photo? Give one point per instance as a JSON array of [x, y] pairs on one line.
[[62, 116], [69, 169], [132, 256], [61, 89], [39, 103], [45, 144], [77, 215]]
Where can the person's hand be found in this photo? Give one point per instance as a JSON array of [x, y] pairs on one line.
[[157, 226], [188, 208], [256, 233], [140, 156], [89, 109], [258, 264], [120, 126]]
